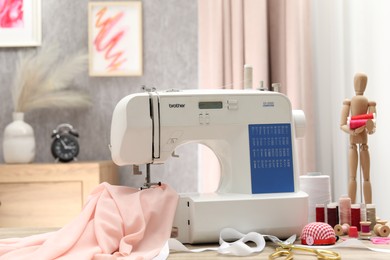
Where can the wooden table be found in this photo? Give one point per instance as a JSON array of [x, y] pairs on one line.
[[346, 253]]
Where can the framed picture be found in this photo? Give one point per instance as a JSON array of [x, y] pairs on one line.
[[20, 23], [115, 38]]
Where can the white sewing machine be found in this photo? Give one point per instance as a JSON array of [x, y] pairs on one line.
[[252, 134]]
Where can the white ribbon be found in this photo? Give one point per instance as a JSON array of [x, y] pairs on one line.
[[236, 248]]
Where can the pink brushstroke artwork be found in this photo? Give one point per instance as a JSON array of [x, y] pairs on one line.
[[108, 38], [11, 14]]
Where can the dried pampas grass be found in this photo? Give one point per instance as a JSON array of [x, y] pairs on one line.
[[42, 80]]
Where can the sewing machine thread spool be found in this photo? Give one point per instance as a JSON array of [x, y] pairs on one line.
[[341, 230], [381, 229], [320, 213], [248, 78], [365, 228], [333, 214], [345, 210], [355, 216]]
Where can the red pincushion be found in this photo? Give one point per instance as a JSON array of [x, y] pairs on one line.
[[318, 233]]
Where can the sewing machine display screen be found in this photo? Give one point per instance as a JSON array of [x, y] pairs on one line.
[[210, 105], [271, 158]]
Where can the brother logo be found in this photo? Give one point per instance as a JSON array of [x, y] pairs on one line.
[[268, 104], [177, 105]]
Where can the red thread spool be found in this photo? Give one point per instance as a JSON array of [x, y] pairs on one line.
[[333, 214], [363, 116], [365, 228], [320, 213], [355, 216]]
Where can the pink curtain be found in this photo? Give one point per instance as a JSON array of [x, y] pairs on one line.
[[274, 37]]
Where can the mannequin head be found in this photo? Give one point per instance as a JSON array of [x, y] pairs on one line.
[[360, 83]]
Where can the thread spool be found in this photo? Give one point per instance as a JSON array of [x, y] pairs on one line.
[[341, 230], [363, 212], [371, 215], [248, 72], [345, 210], [333, 214], [353, 124], [363, 116], [317, 186], [380, 229], [365, 228], [355, 216], [320, 213]]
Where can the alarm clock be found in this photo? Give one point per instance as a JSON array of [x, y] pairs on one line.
[[65, 146]]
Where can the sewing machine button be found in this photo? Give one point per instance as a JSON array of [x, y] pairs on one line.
[[201, 119], [204, 119], [232, 104], [207, 119]]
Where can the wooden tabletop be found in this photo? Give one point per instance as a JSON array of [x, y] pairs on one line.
[[346, 253]]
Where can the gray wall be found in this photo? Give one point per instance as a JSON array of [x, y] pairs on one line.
[[170, 61]]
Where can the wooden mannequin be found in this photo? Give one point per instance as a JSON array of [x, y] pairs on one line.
[[358, 105]]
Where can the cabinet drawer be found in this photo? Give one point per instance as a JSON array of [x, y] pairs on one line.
[[39, 204]]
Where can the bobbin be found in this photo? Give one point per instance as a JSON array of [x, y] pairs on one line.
[[341, 230], [381, 229]]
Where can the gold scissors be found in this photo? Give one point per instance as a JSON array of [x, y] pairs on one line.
[[287, 251]]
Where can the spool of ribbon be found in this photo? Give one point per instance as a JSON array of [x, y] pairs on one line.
[[317, 186]]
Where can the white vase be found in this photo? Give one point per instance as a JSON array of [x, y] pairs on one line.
[[18, 141]]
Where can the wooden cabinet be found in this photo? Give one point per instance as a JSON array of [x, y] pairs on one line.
[[48, 195]]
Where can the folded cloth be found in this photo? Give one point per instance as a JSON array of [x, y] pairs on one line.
[[117, 222]]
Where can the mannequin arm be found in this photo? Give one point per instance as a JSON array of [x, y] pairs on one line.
[[344, 117], [372, 109]]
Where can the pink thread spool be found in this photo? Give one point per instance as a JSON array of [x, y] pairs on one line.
[[365, 228], [345, 210], [353, 124], [341, 230]]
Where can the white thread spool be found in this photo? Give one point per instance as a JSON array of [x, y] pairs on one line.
[[248, 76], [317, 186]]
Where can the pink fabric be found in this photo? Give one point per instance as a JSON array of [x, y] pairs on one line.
[[116, 223]]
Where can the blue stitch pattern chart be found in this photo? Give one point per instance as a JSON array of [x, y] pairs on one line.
[[271, 154]]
